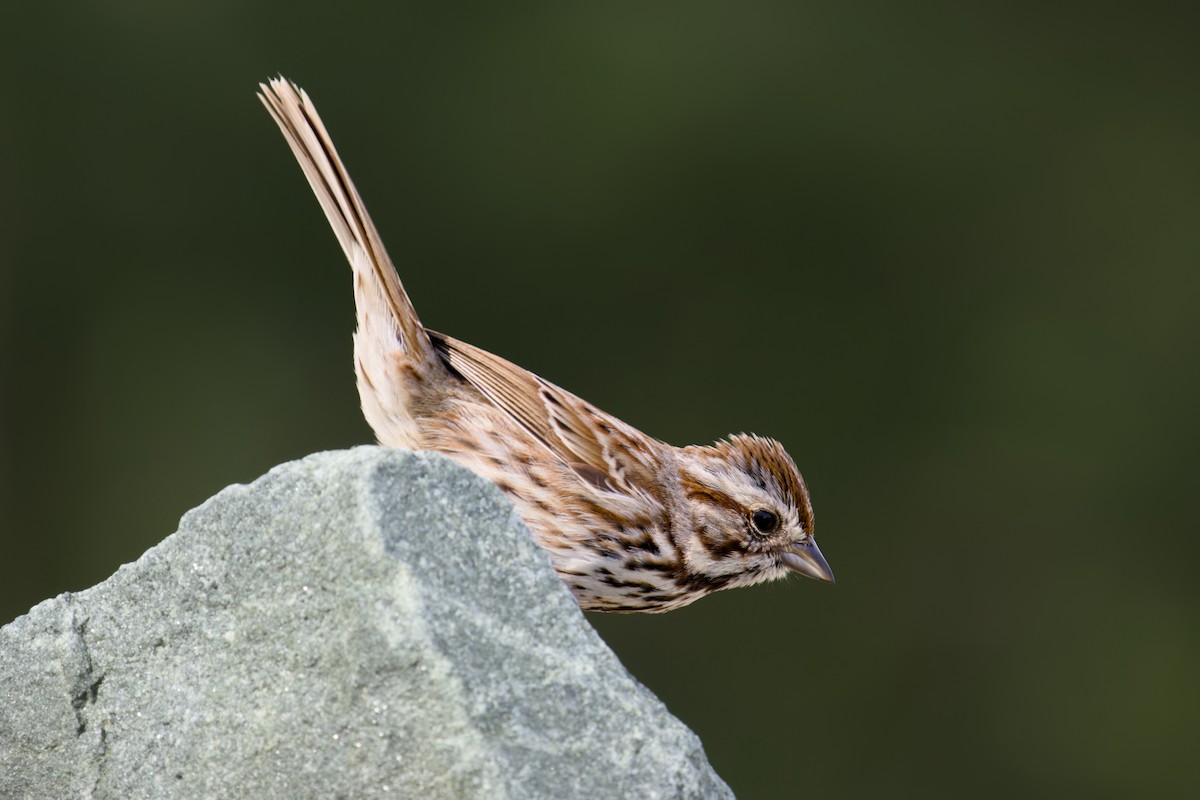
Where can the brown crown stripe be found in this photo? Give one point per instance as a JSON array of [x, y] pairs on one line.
[[807, 520], [771, 457]]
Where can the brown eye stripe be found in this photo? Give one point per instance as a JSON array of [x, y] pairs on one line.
[[712, 496]]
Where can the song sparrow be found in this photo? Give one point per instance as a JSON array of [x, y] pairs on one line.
[[630, 523]]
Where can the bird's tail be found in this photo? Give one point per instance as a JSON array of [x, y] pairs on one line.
[[378, 291]]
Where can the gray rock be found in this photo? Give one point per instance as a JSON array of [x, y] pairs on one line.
[[359, 624]]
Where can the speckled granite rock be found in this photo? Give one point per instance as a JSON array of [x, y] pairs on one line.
[[367, 623]]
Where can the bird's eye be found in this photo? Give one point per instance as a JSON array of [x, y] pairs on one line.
[[765, 521]]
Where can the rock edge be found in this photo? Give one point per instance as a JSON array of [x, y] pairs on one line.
[[362, 623]]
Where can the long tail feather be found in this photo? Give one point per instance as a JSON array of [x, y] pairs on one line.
[[297, 118]]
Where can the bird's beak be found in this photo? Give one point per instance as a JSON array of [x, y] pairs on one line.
[[805, 557]]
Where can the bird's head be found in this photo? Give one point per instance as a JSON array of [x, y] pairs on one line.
[[752, 519]]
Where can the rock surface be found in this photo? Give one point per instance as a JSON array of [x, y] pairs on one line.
[[359, 624]]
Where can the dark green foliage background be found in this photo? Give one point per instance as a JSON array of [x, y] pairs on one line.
[[946, 252]]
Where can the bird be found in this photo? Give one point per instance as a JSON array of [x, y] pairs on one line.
[[630, 523]]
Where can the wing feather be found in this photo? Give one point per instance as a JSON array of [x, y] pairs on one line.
[[604, 451]]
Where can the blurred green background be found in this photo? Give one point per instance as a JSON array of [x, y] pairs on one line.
[[946, 252]]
